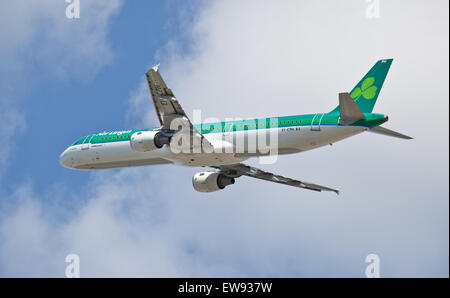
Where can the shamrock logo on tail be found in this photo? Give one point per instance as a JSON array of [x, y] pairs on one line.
[[367, 90]]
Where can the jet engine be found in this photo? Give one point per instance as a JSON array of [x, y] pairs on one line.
[[210, 181], [143, 141]]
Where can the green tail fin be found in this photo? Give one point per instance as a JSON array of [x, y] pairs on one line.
[[365, 93]]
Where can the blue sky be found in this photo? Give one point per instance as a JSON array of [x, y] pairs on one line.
[[62, 79], [87, 105]]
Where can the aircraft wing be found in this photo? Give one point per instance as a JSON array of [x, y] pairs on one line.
[[168, 108], [240, 169]]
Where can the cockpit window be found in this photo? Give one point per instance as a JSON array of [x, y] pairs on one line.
[[80, 141]]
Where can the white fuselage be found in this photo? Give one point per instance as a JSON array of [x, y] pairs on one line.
[[229, 148]]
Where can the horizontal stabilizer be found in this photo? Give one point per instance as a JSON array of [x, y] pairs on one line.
[[349, 110], [388, 132]]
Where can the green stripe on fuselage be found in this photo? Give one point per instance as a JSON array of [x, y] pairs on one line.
[[371, 120], [286, 121]]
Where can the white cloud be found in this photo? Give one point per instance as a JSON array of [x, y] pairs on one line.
[[264, 59], [12, 123], [39, 43], [41, 40]]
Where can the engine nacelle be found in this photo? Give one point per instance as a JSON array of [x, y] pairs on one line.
[[210, 181], [143, 141]]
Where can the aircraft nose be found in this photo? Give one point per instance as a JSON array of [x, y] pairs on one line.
[[64, 159]]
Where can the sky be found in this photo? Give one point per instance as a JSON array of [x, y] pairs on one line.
[[61, 79]]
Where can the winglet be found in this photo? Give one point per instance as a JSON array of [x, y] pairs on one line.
[[155, 68], [336, 191]]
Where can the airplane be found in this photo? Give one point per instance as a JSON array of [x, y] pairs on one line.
[[223, 146]]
